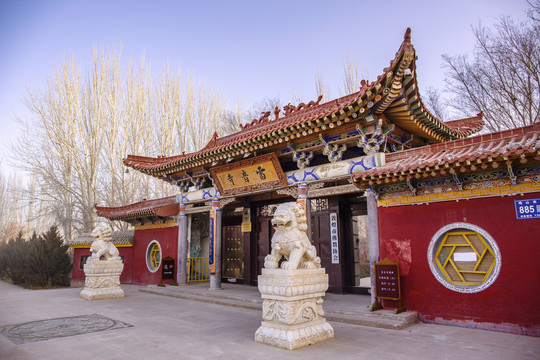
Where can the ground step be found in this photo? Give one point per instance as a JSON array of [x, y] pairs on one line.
[[382, 318], [208, 298]]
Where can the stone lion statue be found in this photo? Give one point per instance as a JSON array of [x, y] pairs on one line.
[[291, 241], [102, 245]]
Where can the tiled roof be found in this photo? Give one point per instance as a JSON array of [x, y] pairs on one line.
[[466, 154], [394, 94], [118, 237], [251, 132], [157, 207]]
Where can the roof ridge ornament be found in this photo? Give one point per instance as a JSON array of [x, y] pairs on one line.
[[287, 110], [407, 36]]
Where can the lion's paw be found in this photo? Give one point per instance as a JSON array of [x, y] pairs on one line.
[[287, 265]]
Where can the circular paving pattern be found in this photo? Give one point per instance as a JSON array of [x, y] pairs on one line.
[[60, 327]]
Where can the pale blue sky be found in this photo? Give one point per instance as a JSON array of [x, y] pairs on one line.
[[245, 50]]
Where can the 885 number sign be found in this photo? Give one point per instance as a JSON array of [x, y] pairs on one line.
[[527, 209]]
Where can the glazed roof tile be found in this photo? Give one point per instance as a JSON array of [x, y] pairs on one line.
[[118, 237], [251, 132], [156, 207], [514, 142]]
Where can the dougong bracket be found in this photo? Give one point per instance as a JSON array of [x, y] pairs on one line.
[[334, 152], [511, 174], [302, 159], [371, 142], [412, 185]]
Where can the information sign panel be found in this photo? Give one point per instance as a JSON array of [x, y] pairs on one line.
[[211, 241], [527, 209], [334, 240], [387, 284], [246, 227], [167, 270], [387, 281]]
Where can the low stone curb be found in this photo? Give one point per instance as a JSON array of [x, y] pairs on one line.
[[385, 318]]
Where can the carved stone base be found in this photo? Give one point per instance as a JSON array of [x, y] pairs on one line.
[[102, 280], [293, 316]]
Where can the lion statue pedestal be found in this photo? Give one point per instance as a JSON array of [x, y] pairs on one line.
[[103, 268], [292, 293]]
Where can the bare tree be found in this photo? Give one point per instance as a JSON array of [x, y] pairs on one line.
[[85, 123], [262, 107], [232, 120], [322, 88], [10, 209], [503, 78], [436, 103], [352, 76]]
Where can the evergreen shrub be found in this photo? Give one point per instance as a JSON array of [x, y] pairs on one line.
[[37, 262]]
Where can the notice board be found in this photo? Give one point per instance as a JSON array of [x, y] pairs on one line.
[[387, 284], [168, 271]]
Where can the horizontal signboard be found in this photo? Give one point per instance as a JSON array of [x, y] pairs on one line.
[[263, 172]]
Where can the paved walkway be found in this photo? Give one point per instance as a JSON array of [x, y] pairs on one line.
[[165, 327]]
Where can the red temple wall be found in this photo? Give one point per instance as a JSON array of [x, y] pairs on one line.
[[509, 304], [168, 241], [77, 275]]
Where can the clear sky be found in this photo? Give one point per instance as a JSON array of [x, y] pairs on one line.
[[245, 50]]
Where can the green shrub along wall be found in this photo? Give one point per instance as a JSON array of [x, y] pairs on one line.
[[37, 262]]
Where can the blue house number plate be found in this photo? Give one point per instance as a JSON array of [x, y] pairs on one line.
[[527, 209]]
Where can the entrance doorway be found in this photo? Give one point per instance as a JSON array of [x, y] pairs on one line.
[[358, 274], [233, 253]]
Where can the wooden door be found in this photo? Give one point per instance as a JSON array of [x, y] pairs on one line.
[[233, 253], [264, 238], [320, 237]]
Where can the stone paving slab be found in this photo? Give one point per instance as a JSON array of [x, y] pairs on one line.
[[172, 328]]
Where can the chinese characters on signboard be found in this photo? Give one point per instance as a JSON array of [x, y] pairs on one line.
[[334, 240], [387, 284], [248, 175], [527, 209], [168, 268], [211, 242], [387, 281]]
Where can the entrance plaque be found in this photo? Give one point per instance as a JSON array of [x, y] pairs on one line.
[[262, 172], [387, 284]]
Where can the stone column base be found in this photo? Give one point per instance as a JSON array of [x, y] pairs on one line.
[[292, 308], [292, 337], [102, 280]]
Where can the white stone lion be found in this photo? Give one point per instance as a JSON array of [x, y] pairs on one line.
[[291, 241], [102, 245]]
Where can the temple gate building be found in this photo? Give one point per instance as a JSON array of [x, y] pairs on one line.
[[379, 176]]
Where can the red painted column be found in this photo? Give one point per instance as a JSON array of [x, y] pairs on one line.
[[215, 246]]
